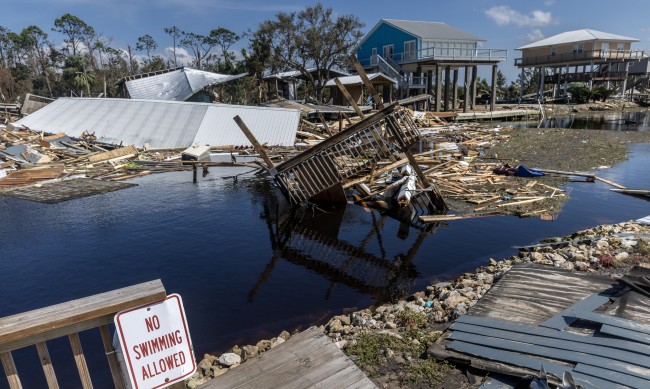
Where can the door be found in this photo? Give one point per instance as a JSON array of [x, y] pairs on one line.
[[387, 51]]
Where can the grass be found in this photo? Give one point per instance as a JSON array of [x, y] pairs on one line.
[[429, 372]]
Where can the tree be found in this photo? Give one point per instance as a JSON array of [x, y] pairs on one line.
[[224, 38], [146, 43], [175, 33], [76, 74], [36, 51], [199, 45], [4, 46], [312, 38], [75, 29]]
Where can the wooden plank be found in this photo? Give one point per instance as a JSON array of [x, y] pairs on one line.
[[80, 360], [530, 293], [625, 333], [119, 152], [521, 202], [613, 321], [349, 98], [609, 182], [253, 140], [10, 370], [439, 218], [566, 317], [112, 358], [306, 360], [366, 81], [517, 359], [58, 320], [46, 363], [553, 353]]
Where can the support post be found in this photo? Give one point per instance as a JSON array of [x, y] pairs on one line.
[[194, 168], [438, 87], [429, 81], [466, 89], [540, 90], [366, 81], [474, 75], [455, 91], [258, 147], [493, 92], [447, 85], [521, 84]]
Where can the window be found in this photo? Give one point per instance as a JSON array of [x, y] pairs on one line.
[[387, 51], [409, 50], [620, 46], [578, 48], [553, 51]]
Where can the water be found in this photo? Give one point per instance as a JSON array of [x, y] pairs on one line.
[[608, 120], [245, 268]]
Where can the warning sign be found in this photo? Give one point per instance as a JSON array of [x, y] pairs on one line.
[[156, 343]]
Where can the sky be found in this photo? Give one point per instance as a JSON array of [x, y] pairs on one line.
[[504, 24]]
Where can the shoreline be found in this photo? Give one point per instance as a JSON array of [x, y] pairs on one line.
[[388, 341]]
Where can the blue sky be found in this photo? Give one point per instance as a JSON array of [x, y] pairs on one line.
[[505, 24]]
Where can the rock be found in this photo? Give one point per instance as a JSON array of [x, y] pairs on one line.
[[621, 256], [390, 325], [536, 257], [602, 244], [341, 344], [217, 371], [211, 358], [389, 353], [345, 319], [229, 359], [558, 259], [236, 350], [248, 352], [581, 265], [204, 367], [493, 262], [459, 310], [567, 265], [196, 380], [278, 341], [263, 345], [284, 335], [335, 325], [454, 299]]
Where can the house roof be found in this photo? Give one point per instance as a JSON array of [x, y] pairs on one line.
[[175, 85], [425, 30], [164, 124], [576, 36], [297, 74], [378, 78]]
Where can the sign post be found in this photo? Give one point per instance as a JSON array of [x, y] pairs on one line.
[[156, 343]]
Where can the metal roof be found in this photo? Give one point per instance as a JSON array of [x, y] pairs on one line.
[[433, 30], [583, 35], [356, 80], [163, 124], [176, 85], [297, 74]]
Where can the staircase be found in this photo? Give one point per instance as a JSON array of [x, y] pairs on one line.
[[392, 70]]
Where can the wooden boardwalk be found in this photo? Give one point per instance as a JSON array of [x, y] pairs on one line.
[[307, 360]]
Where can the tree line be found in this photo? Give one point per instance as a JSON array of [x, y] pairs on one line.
[[87, 63]]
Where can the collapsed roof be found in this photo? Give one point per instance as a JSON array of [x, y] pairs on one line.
[[164, 124]]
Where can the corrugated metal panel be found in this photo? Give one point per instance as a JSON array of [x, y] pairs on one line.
[[163, 124], [271, 126], [173, 86], [199, 79], [577, 36], [356, 80]]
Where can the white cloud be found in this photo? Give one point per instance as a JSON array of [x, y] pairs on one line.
[[183, 57], [534, 35], [503, 15], [549, 3]]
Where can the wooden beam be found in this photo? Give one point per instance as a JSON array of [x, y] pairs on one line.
[[80, 360], [58, 320], [112, 358], [46, 363], [10, 371], [253, 140], [349, 98], [366, 81]]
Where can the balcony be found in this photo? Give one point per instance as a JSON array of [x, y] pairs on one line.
[[584, 77], [440, 54], [581, 57]]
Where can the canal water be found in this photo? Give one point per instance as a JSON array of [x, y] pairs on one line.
[[245, 265]]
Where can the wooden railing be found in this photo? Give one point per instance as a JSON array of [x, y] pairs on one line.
[[36, 327]]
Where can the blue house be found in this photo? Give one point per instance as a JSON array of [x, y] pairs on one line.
[[416, 53]]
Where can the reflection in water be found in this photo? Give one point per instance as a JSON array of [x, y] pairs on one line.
[[610, 120], [310, 238]]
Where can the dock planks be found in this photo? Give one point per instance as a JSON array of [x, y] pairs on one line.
[[307, 360], [519, 325], [55, 192]]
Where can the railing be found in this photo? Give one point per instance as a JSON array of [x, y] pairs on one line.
[[437, 53], [584, 76], [581, 56], [35, 328]]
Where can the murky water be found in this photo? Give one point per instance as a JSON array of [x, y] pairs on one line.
[[607, 120], [247, 267]]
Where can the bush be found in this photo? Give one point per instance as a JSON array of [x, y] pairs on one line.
[[580, 94]]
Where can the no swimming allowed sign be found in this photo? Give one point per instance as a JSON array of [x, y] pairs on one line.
[[156, 343]]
